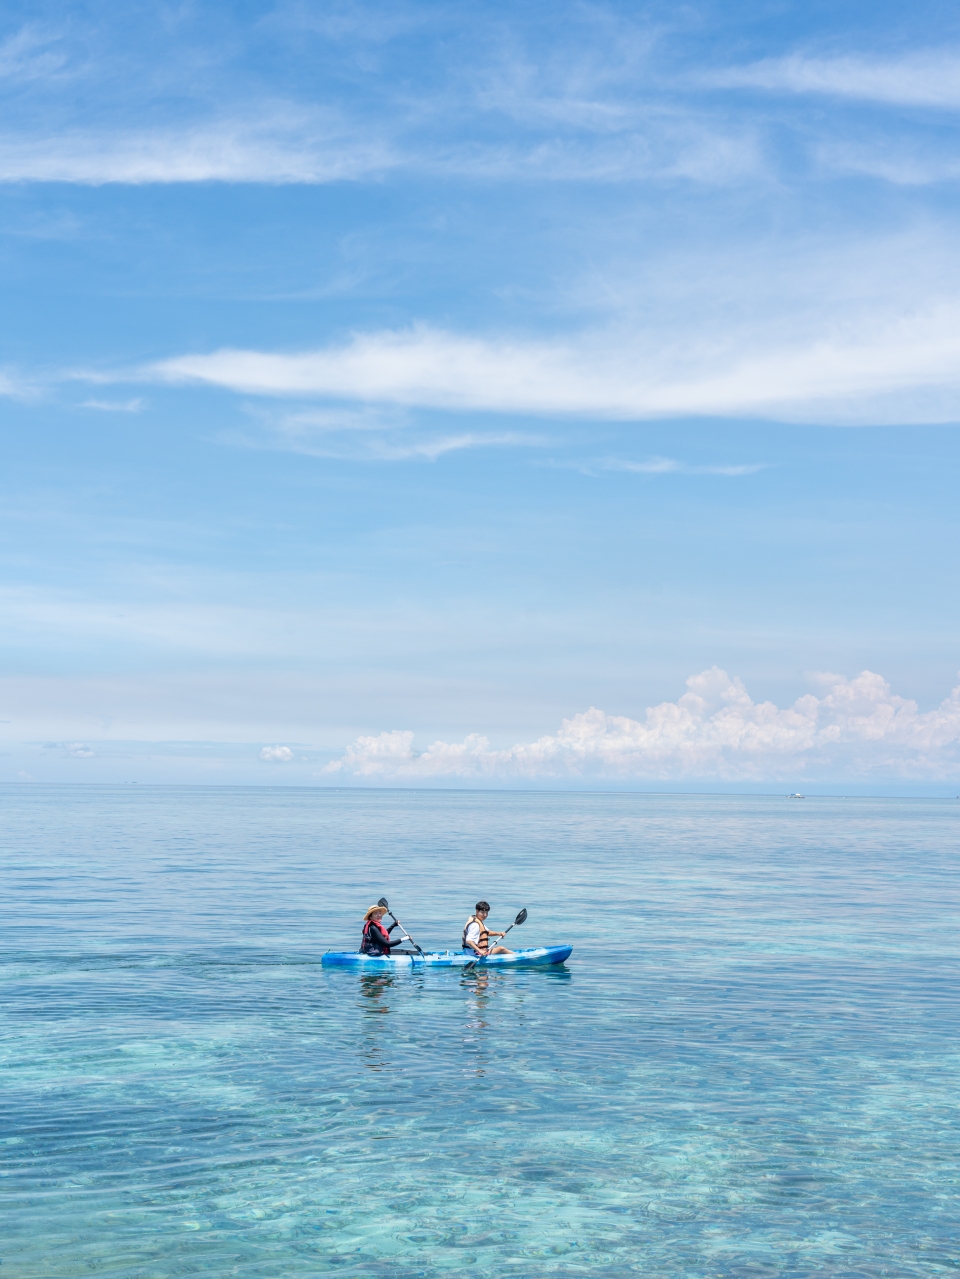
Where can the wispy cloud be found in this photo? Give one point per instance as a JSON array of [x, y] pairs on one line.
[[14, 385], [654, 466], [307, 146], [369, 433], [858, 728], [892, 157], [925, 78], [670, 466], [30, 54], [503, 116], [431, 449], [589, 79], [845, 374], [276, 754], [394, 448], [278, 145], [115, 406], [676, 146], [349, 23], [490, 100], [77, 750]]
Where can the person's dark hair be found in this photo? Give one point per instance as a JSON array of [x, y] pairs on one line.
[[483, 906]]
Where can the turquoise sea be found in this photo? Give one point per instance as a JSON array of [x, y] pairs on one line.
[[750, 1066]]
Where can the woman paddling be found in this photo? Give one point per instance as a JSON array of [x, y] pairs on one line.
[[376, 939]]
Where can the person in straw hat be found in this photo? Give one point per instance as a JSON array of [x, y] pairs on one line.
[[376, 939]]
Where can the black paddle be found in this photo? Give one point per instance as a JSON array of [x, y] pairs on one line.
[[403, 932], [520, 919]]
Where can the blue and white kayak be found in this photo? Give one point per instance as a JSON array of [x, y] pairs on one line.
[[445, 959]]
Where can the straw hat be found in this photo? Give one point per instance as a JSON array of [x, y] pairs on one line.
[[373, 909]]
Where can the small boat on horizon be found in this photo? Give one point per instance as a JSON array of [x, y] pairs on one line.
[[796, 795]]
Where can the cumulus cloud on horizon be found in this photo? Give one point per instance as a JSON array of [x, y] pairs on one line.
[[856, 729]]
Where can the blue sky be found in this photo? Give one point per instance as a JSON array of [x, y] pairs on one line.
[[386, 386]]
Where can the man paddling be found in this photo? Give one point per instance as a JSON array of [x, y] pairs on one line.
[[376, 939], [476, 934]]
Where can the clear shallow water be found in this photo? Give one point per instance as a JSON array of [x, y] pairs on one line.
[[749, 1067]]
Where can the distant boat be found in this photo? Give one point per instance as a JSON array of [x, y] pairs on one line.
[[796, 795]]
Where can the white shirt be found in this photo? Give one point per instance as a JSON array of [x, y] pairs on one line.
[[473, 934]]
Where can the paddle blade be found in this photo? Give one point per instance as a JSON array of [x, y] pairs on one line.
[[384, 903], [521, 917]]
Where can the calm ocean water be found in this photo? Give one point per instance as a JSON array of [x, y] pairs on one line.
[[749, 1066]]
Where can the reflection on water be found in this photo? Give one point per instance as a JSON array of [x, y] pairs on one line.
[[764, 1083], [374, 986], [476, 985], [373, 989]]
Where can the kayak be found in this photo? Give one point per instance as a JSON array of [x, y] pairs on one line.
[[445, 959]]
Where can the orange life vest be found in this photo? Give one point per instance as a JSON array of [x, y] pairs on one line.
[[484, 940]]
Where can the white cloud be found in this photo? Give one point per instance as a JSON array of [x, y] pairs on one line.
[[276, 754], [861, 368], [418, 366], [79, 750], [114, 406], [927, 78], [480, 105], [303, 144], [653, 150], [29, 55], [901, 160], [368, 433], [279, 146], [430, 449], [670, 466], [656, 466], [14, 386], [856, 729]]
